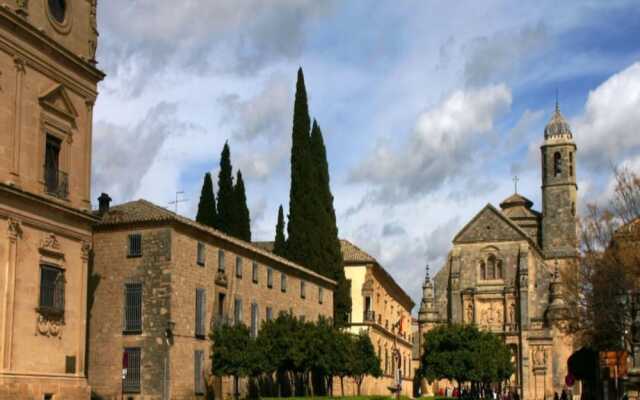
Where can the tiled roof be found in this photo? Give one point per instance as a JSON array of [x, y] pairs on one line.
[[352, 253], [141, 211]]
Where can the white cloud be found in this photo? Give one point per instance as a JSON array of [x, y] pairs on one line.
[[609, 130], [444, 141]]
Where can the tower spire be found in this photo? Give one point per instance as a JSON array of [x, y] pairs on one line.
[[557, 103]]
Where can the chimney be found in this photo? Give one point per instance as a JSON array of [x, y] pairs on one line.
[[103, 203]]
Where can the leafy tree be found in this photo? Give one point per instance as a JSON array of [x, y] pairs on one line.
[[230, 356], [207, 206], [342, 366], [327, 254], [241, 217], [300, 227], [463, 353], [280, 243], [226, 199], [278, 339], [365, 361]]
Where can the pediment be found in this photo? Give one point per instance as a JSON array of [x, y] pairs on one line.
[[57, 99], [490, 225]]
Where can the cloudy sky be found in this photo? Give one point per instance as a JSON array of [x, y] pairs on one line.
[[429, 109]]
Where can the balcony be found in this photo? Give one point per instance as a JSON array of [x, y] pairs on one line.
[[56, 183], [369, 316]]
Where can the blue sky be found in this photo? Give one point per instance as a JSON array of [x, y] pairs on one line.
[[428, 108]]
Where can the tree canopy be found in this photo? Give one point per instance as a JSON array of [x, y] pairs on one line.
[[207, 206], [280, 243], [241, 219], [226, 196]]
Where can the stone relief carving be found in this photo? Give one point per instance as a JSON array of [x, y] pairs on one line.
[[492, 314], [539, 357], [22, 6], [93, 16], [86, 249], [470, 313], [51, 327], [93, 46], [50, 242], [14, 229], [512, 313]]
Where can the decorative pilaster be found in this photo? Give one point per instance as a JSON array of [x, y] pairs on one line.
[[86, 251], [88, 138], [17, 126], [14, 232]]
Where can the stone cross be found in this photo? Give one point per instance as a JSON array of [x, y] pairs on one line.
[[515, 182]]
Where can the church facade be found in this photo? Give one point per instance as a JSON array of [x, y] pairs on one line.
[[504, 272]]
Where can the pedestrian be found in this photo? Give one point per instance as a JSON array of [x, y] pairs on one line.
[[564, 395]]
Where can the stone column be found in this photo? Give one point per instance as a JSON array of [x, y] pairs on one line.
[[14, 231], [17, 126], [82, 332], [88, 138]]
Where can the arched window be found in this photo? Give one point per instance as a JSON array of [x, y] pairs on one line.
[[491, 267], [483, 271], [570, 163], [557, 164], [499, 269]]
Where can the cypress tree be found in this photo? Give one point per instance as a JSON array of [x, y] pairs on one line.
[[225, 221], [300, 225], [207, 206], [279, 245], [241, 217], [327, 244]]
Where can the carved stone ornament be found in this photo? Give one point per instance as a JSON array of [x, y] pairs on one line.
[[221, 278], [470, 313], [48, 326], [524, 281], [539, 357], [22, 6], [86, 249], [93, 46], [50, 242], [93, 16], [14, 229]]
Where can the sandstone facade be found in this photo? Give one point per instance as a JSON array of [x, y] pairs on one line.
[[170, 272], [503, 273], [49, 85]]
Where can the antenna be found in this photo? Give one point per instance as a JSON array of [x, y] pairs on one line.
[[178, 200]]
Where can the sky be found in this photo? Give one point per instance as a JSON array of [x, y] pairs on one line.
[[429, 109]]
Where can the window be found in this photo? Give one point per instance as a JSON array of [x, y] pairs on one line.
[[283, 282], [320, 295], [570, 163], [70, 364], [499, 269], [221, 260], [56, 182], [135, 245], [51, 290], [269, 277], [491, 267], [269, 313], [133, 308], [221, 297], [303, 293], [200, 258], [254, 272], [58, 9], [254, 320], [557, 164], [201, 312], [198, 371], [237, 311], [239, 267], [131, 363], [483, 270]]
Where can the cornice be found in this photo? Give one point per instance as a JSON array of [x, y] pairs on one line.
[[16, 23]]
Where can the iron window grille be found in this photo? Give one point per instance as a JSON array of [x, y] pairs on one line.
[[270, 277], [269, 313], [254, 272], [133, 308], [56, 182], [198, 369], [239, 267], [51, 291], [221, 260], [200, 312], [254, 320], [135, 245], [200, 257], [131, 362], [237, 311], [283, 282]]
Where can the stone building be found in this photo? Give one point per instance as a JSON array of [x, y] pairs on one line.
[[383, 310], [162, 282], [48, 85], [503, 272]]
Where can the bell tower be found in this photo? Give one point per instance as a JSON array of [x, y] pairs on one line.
[[559, 189]]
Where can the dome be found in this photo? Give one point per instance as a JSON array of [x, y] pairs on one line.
[[516, 200], [557, 126]]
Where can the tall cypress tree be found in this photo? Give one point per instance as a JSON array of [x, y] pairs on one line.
[[300, 225], [207, 206], [241, 217], [327, 244], [225, 221], [280, 244]]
